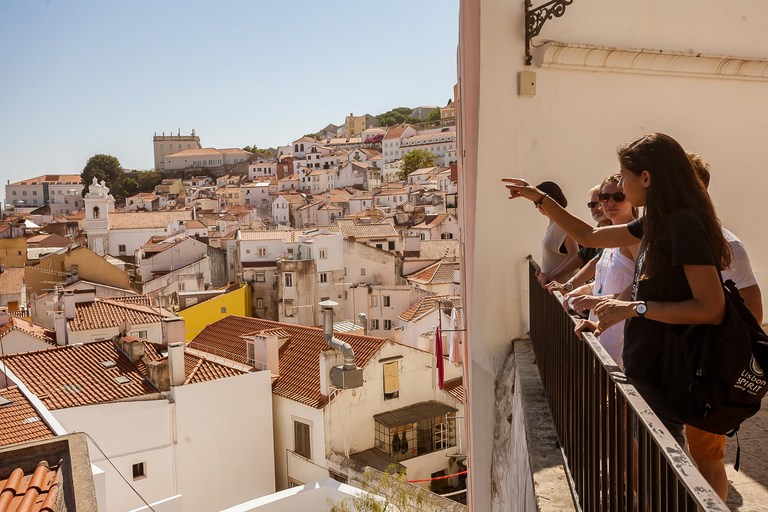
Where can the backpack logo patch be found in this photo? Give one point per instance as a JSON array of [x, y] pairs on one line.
[[755, 367]]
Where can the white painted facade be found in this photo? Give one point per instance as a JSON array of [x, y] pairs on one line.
[[184, 253], [257, 194], [281, 211], [261, 170], [382, 304], [203, 444]]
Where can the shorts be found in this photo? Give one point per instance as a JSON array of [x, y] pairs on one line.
[[705, 445]]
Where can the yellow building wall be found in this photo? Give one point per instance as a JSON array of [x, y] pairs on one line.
[[13, 252], [91, 267], [197, 317]]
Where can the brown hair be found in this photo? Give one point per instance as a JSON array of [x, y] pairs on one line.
[[701, 167], [674, 185]]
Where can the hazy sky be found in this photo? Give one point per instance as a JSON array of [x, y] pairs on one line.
[[84, 77]]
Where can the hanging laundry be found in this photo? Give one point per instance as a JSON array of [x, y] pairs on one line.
[[454, 351], [439, 351]]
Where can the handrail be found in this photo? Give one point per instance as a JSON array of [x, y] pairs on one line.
[[611, 438]]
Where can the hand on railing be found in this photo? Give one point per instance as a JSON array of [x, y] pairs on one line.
[[581, 303], [584, 325], [610, 312], [554, 286]]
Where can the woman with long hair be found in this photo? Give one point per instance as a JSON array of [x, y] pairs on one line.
[[682, 248]]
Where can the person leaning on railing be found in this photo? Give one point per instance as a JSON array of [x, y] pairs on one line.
[[557, 248], [682, 247], [587, 256]]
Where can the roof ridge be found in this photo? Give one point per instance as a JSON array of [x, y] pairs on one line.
[[194, 370]]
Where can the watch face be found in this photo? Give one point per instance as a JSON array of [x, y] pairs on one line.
[[641, 309], [569, 287]]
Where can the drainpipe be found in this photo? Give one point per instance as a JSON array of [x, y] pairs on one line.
[[349, 375]]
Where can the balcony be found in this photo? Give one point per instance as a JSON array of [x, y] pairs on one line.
[[617, 454]]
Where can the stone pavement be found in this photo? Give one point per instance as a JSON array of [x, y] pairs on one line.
[[748, 490]]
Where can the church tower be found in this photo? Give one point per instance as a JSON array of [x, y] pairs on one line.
[[98, 205]]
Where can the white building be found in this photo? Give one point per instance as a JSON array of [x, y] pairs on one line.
[[42, 190], [204, 157], [168, 144], [381, 305], [262, 170], [390, 145], [158, 258]]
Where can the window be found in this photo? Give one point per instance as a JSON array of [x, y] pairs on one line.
[[34, 192], [324, 277], [260, 277], [362, 271], [391, 380], [447, 236], [385, 299], [418, 438], [140, 471], [223, 310], [374, 324], [251, 354], [374, 301], [323, 254], [302, 440], [289, 309], [387, 325], [391, 246], [288, 279], [259, 303], [379, 246], [121, 248], [181, 287]]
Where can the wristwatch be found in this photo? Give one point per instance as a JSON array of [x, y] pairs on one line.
[[568, 286], [641, 309]]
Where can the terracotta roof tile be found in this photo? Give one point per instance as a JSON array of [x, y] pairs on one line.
[[142, 220], [110, 313], [299, 378], [427, 305], [11, 280], [74, 375], [19, 421], [455, 387], [434, 250], [430, 221], [55, 179], [348, 228], [36, 331], [32, 492], [197, 367], [441, 272]]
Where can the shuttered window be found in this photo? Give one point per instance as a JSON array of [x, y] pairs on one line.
[[301, 439], [391, 380]]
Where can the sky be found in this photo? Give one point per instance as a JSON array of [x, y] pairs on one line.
[[78, 78]]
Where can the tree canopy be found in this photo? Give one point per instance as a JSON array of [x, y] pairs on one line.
[[102, 167], [396, 116], [416, 159], [148, 180], [433, 116], [254, 149], [130, 186]]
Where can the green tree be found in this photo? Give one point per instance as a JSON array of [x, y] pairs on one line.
[[102, 167], [385, 493], [416, 159], [434, 116], [148, 180], [130, 187]]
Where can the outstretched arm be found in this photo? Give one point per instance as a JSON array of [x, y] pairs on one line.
[[583, 233]]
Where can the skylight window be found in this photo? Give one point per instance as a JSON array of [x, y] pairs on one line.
[[31, 420], [4, 401], [108, 364], [122, 379]]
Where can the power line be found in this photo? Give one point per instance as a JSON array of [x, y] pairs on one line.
[[117, 470]]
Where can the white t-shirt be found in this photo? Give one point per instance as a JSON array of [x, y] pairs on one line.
[[740, 271]]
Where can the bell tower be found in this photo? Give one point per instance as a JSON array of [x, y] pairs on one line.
[[98, 205]]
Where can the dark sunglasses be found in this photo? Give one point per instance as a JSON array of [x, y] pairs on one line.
[[593, 204], [617, 196]]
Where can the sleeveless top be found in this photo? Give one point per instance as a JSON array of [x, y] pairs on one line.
[[551, 256], [613, 274]]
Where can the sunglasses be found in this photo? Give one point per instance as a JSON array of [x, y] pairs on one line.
[[617, 196], [593, 204]]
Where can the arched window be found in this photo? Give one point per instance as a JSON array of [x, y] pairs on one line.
[[302, 148], [95, 212], [296, 148]]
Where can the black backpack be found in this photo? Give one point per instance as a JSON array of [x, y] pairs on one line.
[[713, 374]]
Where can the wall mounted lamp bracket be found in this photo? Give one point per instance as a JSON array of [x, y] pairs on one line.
[[535, 19]]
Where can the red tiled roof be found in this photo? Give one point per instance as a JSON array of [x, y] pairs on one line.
[[34, 492], [427, 305], [137, 300], [299, 378], [11, 280], [109, 313], [197, 368], [19, 421], [438, 273], [74, 375], [433, 250], [56, 179], [455, 387], [431, 221], [350, 228], [36, 331]]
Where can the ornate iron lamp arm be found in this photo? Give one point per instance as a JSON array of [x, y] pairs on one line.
[[535, 19]]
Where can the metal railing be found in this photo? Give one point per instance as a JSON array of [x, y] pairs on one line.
[[619, 454]]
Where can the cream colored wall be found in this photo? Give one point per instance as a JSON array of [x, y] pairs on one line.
[[569, 132]]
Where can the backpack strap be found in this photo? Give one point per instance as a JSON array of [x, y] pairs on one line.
[[735, 432]]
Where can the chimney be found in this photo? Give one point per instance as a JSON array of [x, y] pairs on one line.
[[174, 330], [158, 374], [266, 351], [348, 375], [68, 299], [60, 326], [132, 347], [328, 359], [412, 244], [4, 316], [176, 363]]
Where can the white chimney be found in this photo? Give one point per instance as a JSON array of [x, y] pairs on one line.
[[4, 316], [412, 244], [68, 299], [173, 330], [60, 326], [266, 351], [176, 363]]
